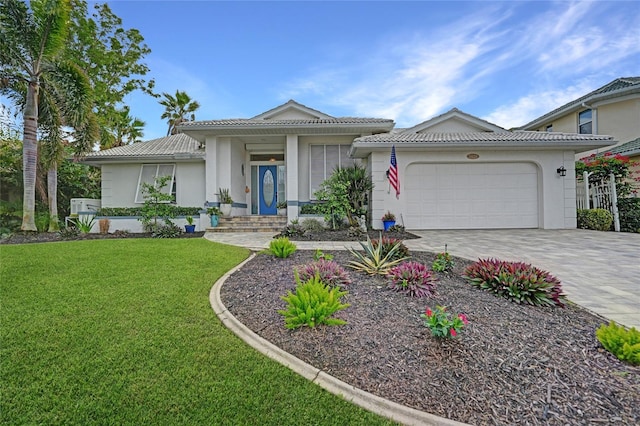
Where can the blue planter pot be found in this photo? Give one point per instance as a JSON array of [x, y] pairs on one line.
[[189, 229], [388, 224], [214, 220]]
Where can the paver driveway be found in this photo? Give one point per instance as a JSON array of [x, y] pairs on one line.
[[599, 270]]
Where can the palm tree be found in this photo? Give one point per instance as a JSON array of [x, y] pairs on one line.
[[177, 109], [51, 91], [123, 131]]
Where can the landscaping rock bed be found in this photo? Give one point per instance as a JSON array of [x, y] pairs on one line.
[[512, 364]]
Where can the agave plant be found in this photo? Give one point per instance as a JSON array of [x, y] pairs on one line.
[[376, 260]]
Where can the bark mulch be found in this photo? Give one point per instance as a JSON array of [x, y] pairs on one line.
[[512, 364]]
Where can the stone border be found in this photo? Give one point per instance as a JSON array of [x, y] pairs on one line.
[[383, 407]]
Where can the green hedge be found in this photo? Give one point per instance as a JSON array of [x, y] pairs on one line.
[[137, 211], [596, 219], [629, 209]]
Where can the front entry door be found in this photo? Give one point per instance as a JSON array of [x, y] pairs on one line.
[[268, 179]]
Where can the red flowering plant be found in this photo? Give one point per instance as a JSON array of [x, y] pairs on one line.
[[601, 166], [440, 323]]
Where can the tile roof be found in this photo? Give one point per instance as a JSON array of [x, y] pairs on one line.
[[629, 148], [618, 87], [174, 146], [250, 122], [481, 137]]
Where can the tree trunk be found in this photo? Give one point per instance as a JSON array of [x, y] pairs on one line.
[[30, 157], [52, 191]]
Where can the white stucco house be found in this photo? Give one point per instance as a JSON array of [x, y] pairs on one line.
[[456, 171]]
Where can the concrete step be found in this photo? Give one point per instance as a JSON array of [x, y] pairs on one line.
[[252, 223]]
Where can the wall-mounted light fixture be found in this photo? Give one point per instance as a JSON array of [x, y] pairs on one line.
[[561, 171]]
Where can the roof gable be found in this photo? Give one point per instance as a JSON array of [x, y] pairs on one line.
[[454, 121], [619, 87], [292, 110]]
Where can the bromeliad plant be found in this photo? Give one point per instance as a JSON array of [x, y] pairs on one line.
[[329, 272], [517, 281], [387, 244], [441, 325], [312, 304], [282, 247], [412, 279], [375, 260]]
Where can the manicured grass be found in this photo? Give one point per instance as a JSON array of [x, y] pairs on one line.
[[121, 332]]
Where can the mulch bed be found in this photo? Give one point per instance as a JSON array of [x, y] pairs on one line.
[[512, 364]]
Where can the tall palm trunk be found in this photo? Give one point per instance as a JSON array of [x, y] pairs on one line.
[[30, 156], [52, 191]]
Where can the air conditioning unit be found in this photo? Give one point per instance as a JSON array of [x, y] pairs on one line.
[[84, 205]]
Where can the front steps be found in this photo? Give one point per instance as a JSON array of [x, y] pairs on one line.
[[252, 223]]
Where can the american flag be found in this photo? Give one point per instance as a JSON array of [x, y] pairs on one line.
[[393, 172]]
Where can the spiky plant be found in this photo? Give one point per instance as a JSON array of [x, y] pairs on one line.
[[374, 260]]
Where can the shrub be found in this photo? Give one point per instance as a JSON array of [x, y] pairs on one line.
[[443, 262], [84, 223], [356, 231], [312, 304], [329, 272], [292, 229], [595, 219], [396, 228], [439, 323], [137, 211], [312, 225], [168, 230], [629, 209], [310, 208], [69, 232], [623, 343], [282, 247], [517, 281], [412, 279], [373, 261], [319, 254], [388, 243]]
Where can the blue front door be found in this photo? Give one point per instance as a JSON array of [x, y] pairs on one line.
[[268, 189]]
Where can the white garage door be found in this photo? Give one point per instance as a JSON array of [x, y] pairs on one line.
[[471, 196]]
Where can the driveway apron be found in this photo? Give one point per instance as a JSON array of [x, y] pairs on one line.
[[600, 271]]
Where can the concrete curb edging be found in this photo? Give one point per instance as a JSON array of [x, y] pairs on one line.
[[366, 400]]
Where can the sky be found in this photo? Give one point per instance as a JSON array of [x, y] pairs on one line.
[[506, 62]]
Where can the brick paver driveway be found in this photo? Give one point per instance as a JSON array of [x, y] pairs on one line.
[[599, 270]]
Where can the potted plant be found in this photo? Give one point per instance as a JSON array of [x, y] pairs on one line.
[[213, 213], [282, 208], [388, 219], [190, 227], [225, 201]]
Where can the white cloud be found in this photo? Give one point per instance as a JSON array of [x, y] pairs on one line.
[[533, 105]]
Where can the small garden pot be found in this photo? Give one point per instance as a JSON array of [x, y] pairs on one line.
[[388, 224], [189, 229], [214, 220]]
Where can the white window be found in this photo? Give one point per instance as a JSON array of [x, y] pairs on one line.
[[549, 128], [150, 172], [323, 160], [585, 122]]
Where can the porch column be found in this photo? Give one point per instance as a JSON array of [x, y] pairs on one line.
[[211, 181], [291, 164], [223, 165]]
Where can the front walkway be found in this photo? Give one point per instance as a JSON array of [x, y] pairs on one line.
[[600, 271]]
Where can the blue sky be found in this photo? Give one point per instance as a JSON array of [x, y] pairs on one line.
[[506, 62]]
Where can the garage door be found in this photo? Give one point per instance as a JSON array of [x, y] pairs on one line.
[[471, 196]]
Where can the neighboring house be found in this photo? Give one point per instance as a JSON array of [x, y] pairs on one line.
[[455, 170], [613, 109], [631, 149]]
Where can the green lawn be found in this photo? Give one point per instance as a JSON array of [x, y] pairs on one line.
[[121, 332]]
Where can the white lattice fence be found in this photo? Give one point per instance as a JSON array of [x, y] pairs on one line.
[[602, 195]]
